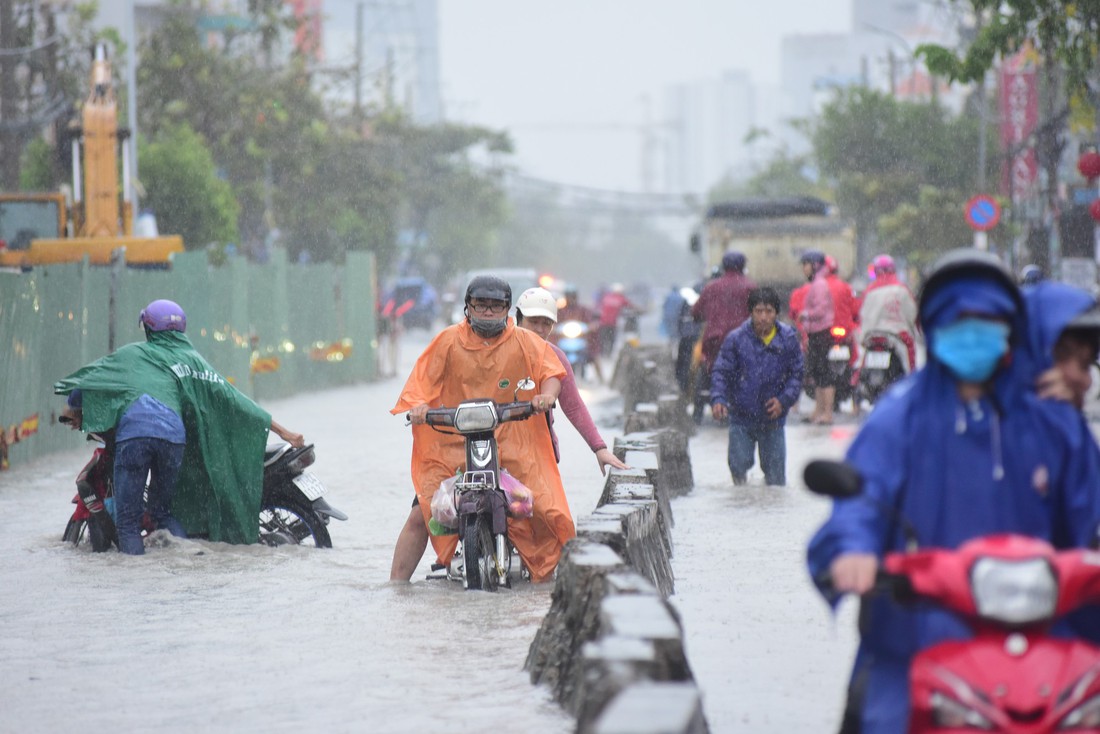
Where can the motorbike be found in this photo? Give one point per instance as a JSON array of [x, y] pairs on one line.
[[1012, 675], [572, 337], [882, 364], [842, 357], [293, 510], [484, 558]]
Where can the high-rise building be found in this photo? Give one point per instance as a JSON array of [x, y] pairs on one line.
[[395, 44], [708, 123], [390, 47]]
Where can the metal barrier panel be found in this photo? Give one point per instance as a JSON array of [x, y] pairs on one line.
[[318, 319], [361, 314], [273, 367]]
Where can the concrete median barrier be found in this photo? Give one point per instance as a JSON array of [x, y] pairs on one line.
[[611, 646]]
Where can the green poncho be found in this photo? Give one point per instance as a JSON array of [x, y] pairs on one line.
[[221, 481]]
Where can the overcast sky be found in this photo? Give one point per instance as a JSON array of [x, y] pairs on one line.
[[570, 78]]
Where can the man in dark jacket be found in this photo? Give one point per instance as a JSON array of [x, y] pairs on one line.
[[722, 304], [756, 379]]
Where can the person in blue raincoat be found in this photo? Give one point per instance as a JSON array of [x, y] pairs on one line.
[[1064, 337], [757, 377], [992, 456]]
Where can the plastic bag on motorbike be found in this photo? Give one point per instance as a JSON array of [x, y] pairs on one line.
[[443, 504], [521, 503]]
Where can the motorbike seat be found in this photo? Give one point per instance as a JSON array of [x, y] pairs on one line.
[[272, 453]]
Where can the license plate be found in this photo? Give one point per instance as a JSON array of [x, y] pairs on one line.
[[877, 360], [839, 353], [310, 485]]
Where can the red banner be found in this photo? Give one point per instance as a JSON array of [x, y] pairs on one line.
[[1019, 116]]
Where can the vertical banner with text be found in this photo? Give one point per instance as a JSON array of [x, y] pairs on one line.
[[1019, 116]]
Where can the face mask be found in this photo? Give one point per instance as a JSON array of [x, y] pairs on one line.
[[971, 348], [488, 328]]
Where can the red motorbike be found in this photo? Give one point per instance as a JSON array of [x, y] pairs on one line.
[[91, 520], [293, 510], [1012, 675]]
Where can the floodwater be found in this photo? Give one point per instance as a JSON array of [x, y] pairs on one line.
[[206, 636]]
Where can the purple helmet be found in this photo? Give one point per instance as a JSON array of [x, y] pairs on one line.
[[163, 315]]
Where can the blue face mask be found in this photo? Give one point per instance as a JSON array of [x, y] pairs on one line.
[[971, 348]]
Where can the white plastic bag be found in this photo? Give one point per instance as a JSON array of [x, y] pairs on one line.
[[443, 503]]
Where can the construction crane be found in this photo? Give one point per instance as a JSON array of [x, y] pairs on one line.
[[45, 228]]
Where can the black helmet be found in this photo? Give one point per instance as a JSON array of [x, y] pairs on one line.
[[968, 261], [814, 257], [489, 286], [734, 260]]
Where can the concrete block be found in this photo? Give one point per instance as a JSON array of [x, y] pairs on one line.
[[654, 708]]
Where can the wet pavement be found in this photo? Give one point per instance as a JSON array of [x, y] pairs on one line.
[[204, 636]]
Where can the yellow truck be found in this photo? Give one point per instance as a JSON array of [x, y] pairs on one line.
[[44, 228], [773, 234]]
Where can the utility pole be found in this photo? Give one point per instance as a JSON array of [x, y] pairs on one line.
[[9, 147], [131, 115], [981, 239], [358, 63]]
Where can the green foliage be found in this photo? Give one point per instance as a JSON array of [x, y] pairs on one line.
[[296, 166], [783, 175], [1067, 30], [922, 230], [36, 167], [881, 154], [183, 189]]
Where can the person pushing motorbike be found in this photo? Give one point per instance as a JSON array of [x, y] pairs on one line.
[[486, 356], [176, 419]]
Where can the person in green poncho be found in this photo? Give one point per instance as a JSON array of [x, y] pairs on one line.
[[175, 418]]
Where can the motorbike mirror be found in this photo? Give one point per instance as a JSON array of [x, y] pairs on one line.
[[525, 384], [832, 478]]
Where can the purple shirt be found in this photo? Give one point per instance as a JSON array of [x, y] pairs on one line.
[[574, 408]]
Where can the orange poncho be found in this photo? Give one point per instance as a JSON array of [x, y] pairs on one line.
[[459, 365]]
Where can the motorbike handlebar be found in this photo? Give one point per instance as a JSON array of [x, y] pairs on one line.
[[520, 410], [895, 585], [517, 411]]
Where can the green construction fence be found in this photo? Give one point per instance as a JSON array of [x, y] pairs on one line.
[[273, 329]]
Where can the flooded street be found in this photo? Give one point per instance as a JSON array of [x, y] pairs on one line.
[[197, 635]]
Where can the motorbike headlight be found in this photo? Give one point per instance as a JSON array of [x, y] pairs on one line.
[[479, 417], [1014, 592], [572, 329], [1085, 716], [947, 713]]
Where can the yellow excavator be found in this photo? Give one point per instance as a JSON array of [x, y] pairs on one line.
[[45, 228]]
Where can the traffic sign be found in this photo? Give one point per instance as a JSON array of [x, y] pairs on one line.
[[982, 212]]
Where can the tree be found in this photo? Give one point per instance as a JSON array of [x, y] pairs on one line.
[[878, 152], [323, 180], [783, 175], [43, 74], [1067, 29], [920, 231], [183, 189]]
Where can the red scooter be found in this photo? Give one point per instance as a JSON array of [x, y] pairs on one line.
[[1012, 675], [293, 510]]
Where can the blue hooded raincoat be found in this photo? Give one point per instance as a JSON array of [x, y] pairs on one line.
[[1007, 462]]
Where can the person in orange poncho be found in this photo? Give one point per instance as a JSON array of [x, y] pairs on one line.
[[485, 357]]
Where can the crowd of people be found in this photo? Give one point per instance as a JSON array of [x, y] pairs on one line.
[[1004, 446]]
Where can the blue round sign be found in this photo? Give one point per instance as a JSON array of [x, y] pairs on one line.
[[983, 212]]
